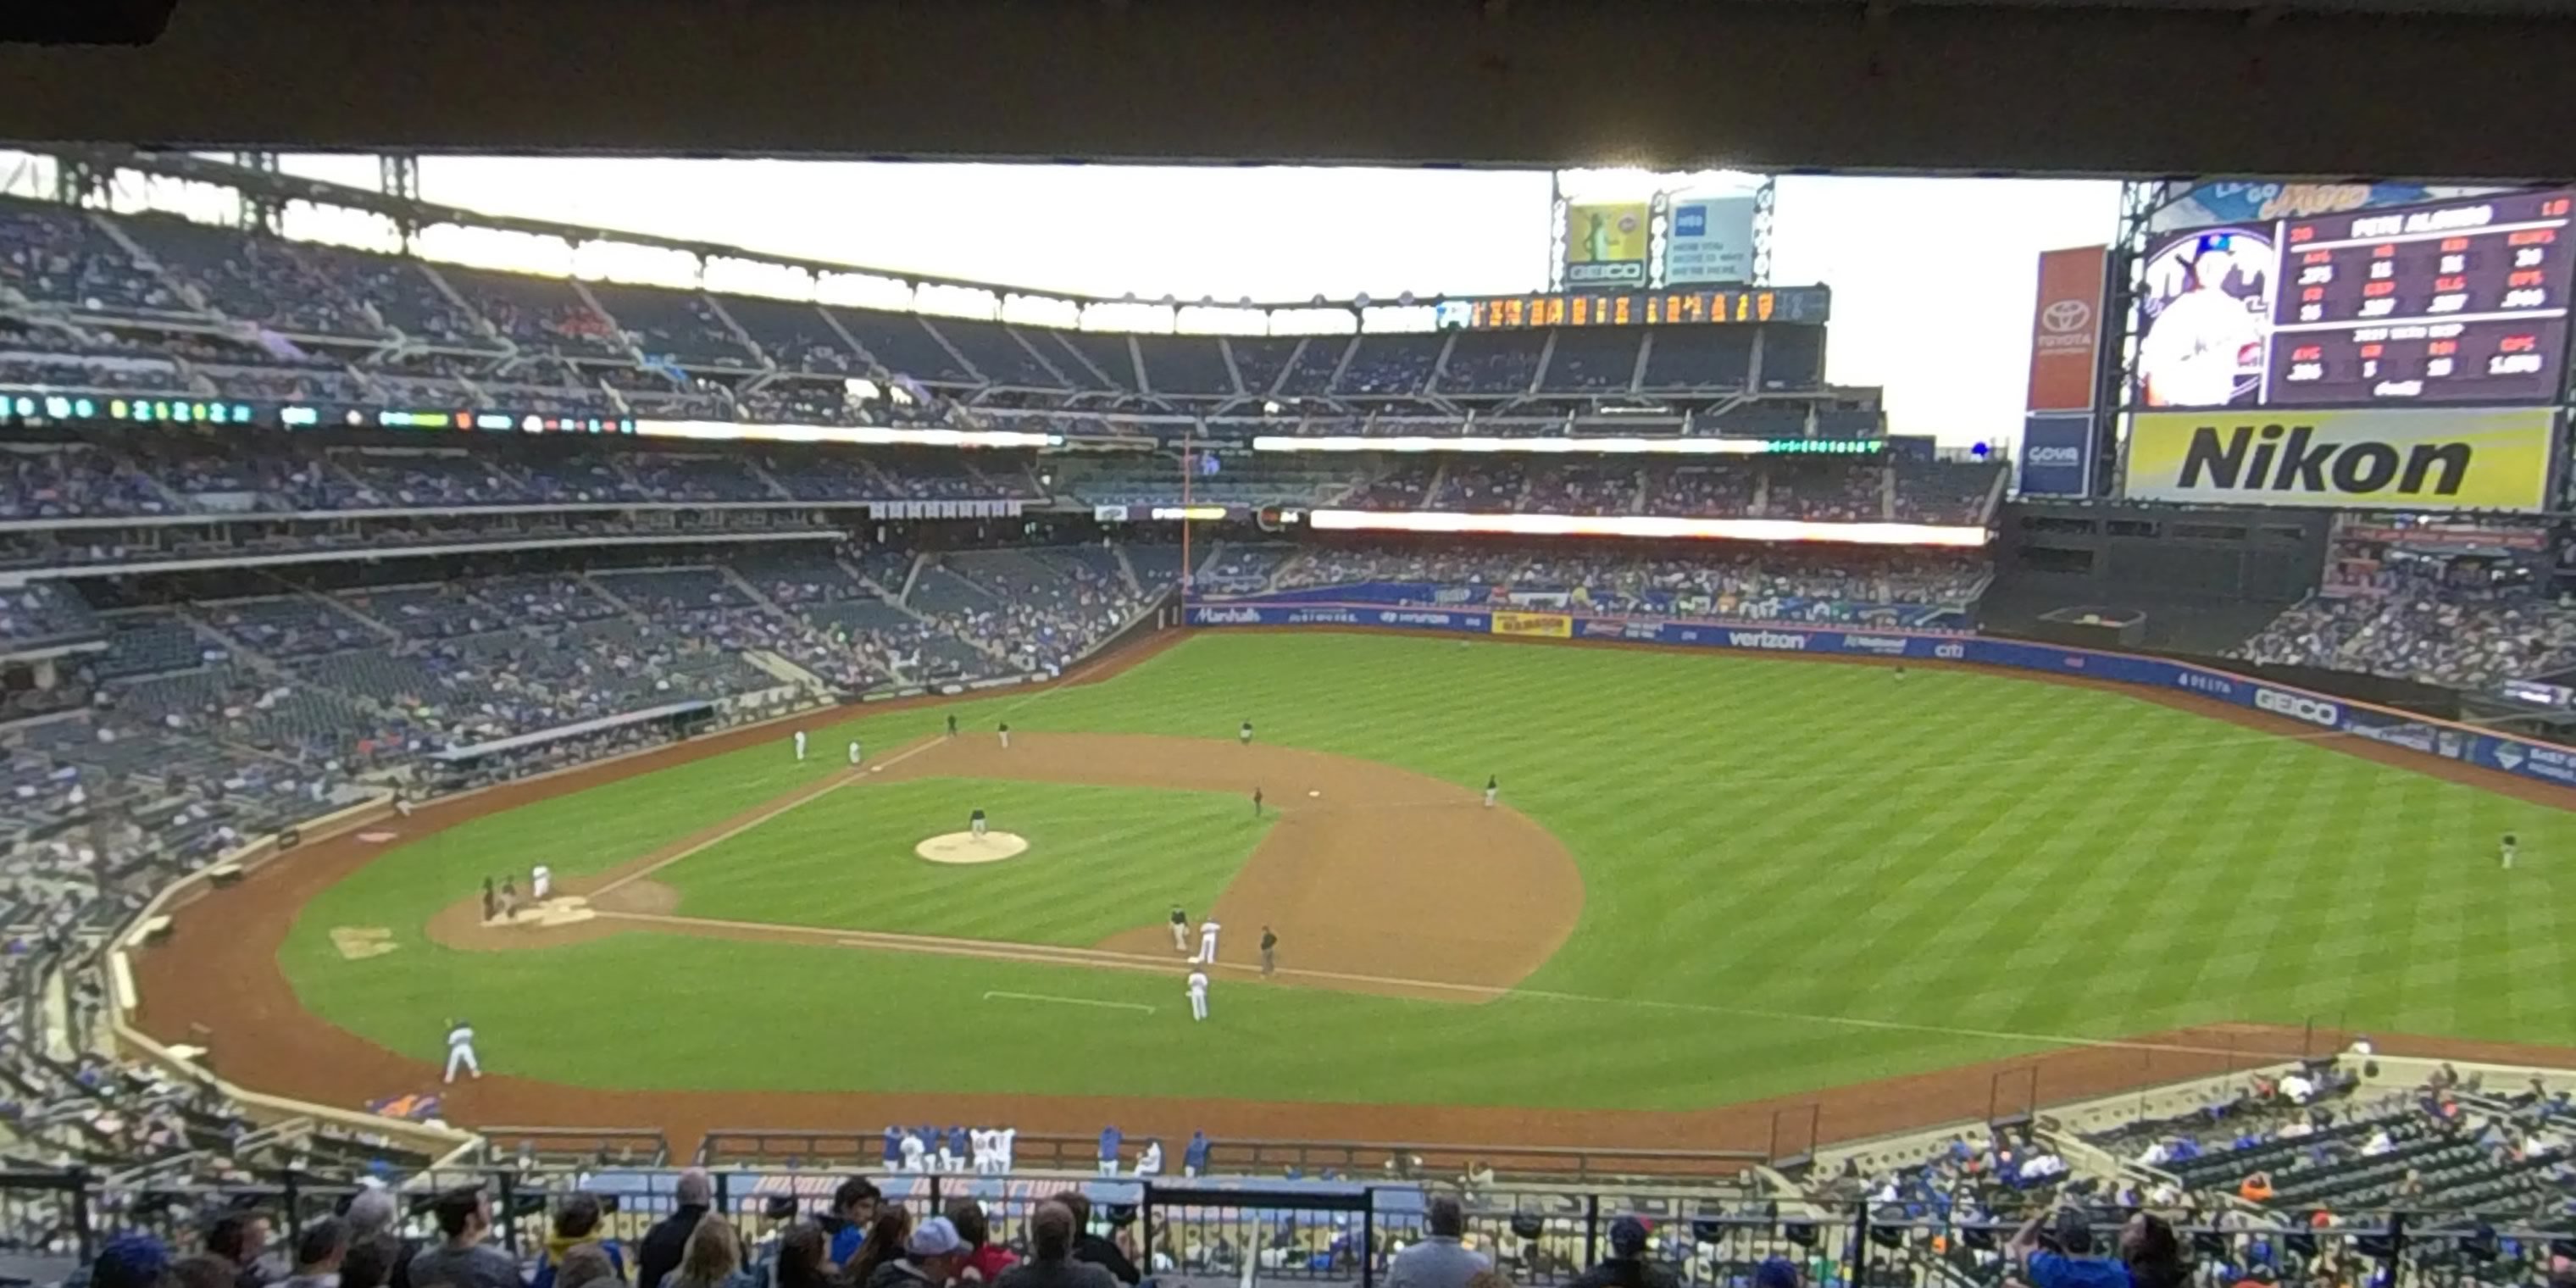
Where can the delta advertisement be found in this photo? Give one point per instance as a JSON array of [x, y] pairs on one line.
[[2375, 458], [2526, 759]]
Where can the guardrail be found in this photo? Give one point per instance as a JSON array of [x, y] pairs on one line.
[[1349, 1233], [2448, 740], [1310, 1159]]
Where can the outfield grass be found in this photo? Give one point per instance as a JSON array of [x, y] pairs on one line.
[[1797, 874], [1100, 860]]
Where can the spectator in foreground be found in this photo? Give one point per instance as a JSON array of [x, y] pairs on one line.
[[239, 1238], [711, 1258], [931, 1257], [2150, 1257], [371, 1222], [1441, 1260], [461, 1259], [576, 1223], [1051, 1263], [1626, 1266], [854, 1209], [1093, 1248], [986, 1261], [318, 1253], [587, 1266], [802, 1252], [886, 1236], [131, 1261], [369, 1261], [204, 1270], [660, 1252]]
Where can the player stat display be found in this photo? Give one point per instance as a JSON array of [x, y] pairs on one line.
[[2464, 302], [2461, 301]]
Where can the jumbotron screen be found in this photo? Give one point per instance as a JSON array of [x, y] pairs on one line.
[[2452, 302]]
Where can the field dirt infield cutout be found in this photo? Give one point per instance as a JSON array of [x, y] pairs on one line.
[[1463, 901], [967, 848]]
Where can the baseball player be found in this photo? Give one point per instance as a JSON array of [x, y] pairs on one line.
[[491, 900], [509, 896], [2506, 850], [460, 1051], [916, 1155], [541, 879], [854, 753], [1198, 995], [1207, 941], [1493, 788], [402, 805], [982, 1141], [1256, 802], [1269, 953], [1244, 735], [800, 744], [975, 823], [952, 726], [1150, 1163], [1006, 735], [1180, 930], [1005, 1140]]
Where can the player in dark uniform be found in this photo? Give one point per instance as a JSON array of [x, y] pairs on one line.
[[1269, 952], [491, 900], [952, 726], [1256, 802], [975, 822], [1180, 930]]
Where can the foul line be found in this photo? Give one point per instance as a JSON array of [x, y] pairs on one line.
[[1054, 955], [852, 775], [1070, 1001]]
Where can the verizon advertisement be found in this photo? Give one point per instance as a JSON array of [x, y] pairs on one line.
[[2066, 328]]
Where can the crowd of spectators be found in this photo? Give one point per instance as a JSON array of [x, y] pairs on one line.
[[2460, 624], [1768, 584]]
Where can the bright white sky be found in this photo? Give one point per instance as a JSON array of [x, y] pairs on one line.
[[1933, 278]]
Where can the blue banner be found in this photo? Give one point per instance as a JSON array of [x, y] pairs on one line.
[[2057, 454], [2521, 757]]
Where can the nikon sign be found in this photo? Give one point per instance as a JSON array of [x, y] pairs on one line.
[[2411, 459]]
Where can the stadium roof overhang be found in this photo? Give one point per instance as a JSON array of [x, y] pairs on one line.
[[2458, 89]]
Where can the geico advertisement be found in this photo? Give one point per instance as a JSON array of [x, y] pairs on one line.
[[2414, 459]]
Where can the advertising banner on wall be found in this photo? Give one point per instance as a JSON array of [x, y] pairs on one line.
[[2066, 328], [1709, 239], [2412, 459], [1605, 244], [2057, 454]]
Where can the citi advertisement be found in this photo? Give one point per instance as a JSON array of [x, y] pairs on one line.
[[1605, 245], [2411, 459], [2300, 708], [2057, 455], [2066, 329]]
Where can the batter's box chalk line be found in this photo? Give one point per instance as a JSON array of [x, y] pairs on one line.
[[999, 995]]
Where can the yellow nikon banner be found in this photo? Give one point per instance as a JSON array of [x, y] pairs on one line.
[[1552, 625], [2377, 458]]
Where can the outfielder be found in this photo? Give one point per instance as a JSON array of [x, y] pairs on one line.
[[975, 823], [1198, 995], [800, 744], [854, 752], [460, 1051], [1244, 735], [540, 880], [1493, 788], [1207, 941], [1180, 930], [2506, 850]]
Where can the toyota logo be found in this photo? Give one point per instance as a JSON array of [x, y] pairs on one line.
[[2062, 316]]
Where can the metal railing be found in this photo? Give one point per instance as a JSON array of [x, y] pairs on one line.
[[1337, 1232], [1307, 1159]]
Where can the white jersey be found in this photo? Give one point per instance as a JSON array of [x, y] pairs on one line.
[[1004, 1141], [1198, 983], [1207, 941], [540, 881], [460, 1038], [1151, 1162], [913, 1149], [854, 753]]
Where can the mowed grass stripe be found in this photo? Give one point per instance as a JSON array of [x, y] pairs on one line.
[[1826, 842]]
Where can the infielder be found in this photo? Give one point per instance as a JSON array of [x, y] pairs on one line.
[[2506, 850], [460, 1051], [1269, 952], [1207, 941], [1006, 735], [540, 880], [1244, 735], [952, 726], [800, 744], [491, 900], [1198, 995], [1180, 930], [1493, 788], [975, 823], [854, 753], [1256, 802]]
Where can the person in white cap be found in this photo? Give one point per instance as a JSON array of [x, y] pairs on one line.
[[1207, 941], [1198, 994], [460, 1051], [932, 1256]]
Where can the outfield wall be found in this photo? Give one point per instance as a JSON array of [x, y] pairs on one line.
[[2521, 757]]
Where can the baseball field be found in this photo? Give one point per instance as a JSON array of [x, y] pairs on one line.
[[1709, 880]]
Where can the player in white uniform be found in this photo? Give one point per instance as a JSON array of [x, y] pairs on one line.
[[2506, 850], [460, 1051], [1207, 941], [1198, 995], [975, 822], [1244, 735], [1493, 788], [1150, 1163], [1004, 1142], [541, 879], [916, 1155], [854, 751], [980, 1142], [800, 744], [2196, 350]]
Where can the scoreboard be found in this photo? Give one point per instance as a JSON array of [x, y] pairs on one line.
[[2462, 302], [2457, 302], [1808, 305]]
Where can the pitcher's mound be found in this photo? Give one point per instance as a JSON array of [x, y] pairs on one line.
[[562, 910], [966, 847]]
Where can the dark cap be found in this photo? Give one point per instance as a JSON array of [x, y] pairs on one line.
[[1627, 1236], [1778, 1272]]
